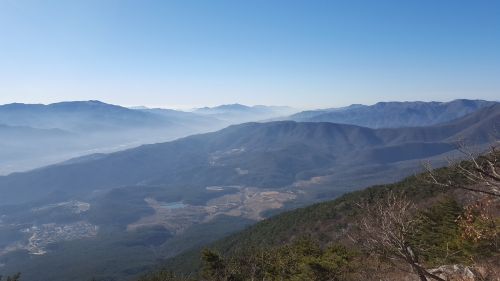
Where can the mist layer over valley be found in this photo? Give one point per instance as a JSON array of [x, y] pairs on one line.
[[35, 135]]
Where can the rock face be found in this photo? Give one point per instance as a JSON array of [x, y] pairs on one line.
[[457, 272]]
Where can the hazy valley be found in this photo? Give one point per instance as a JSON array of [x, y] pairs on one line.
[[138, 207], [35, 135]]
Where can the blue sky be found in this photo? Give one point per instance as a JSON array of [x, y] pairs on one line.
[[305, 54]]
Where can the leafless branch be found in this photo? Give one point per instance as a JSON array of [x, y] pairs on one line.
[[482, 172], [387, 230]]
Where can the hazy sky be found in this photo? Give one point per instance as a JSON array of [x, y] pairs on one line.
[[300, 53]]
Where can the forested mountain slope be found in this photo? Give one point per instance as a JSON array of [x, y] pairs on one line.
[[452, 225]]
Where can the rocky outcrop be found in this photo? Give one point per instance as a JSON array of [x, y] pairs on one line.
[[456, 272]]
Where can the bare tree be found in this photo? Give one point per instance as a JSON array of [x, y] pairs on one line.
[[479, 174], [386, 232], [482, 172]]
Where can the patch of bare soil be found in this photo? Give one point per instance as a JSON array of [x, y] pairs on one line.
[[248, 203]]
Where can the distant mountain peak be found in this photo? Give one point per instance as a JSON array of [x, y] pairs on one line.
[[233, 106], [86, 102]]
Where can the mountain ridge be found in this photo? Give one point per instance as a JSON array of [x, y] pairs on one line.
[[395, 114], [261, 148]]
